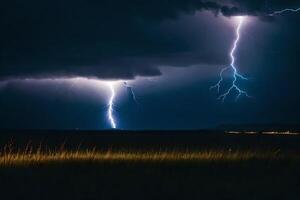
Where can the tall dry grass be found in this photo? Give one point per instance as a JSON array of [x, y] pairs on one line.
[[30, 156]]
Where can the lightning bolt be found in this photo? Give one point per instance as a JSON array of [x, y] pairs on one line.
[[284, 11], [132, 94], [110, 109], [235, 74]]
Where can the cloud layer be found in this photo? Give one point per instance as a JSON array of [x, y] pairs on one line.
[[116, 38]]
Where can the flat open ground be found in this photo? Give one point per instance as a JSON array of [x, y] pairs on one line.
[[148, 165]]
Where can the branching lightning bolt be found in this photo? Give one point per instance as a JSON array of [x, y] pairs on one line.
[[110, 107], [131, 92], [284, 11], [235, 74]]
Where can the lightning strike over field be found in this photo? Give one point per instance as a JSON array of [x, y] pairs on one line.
[[236, 76], [111, 105]]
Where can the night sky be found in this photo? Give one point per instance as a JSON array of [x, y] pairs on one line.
[[57, 59]]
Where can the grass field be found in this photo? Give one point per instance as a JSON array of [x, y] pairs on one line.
[[32, 158], [142, 167]]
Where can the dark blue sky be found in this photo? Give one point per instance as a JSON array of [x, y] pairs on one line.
[[170, 54]]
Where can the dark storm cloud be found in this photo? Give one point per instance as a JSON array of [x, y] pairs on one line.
[[108, 39]]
